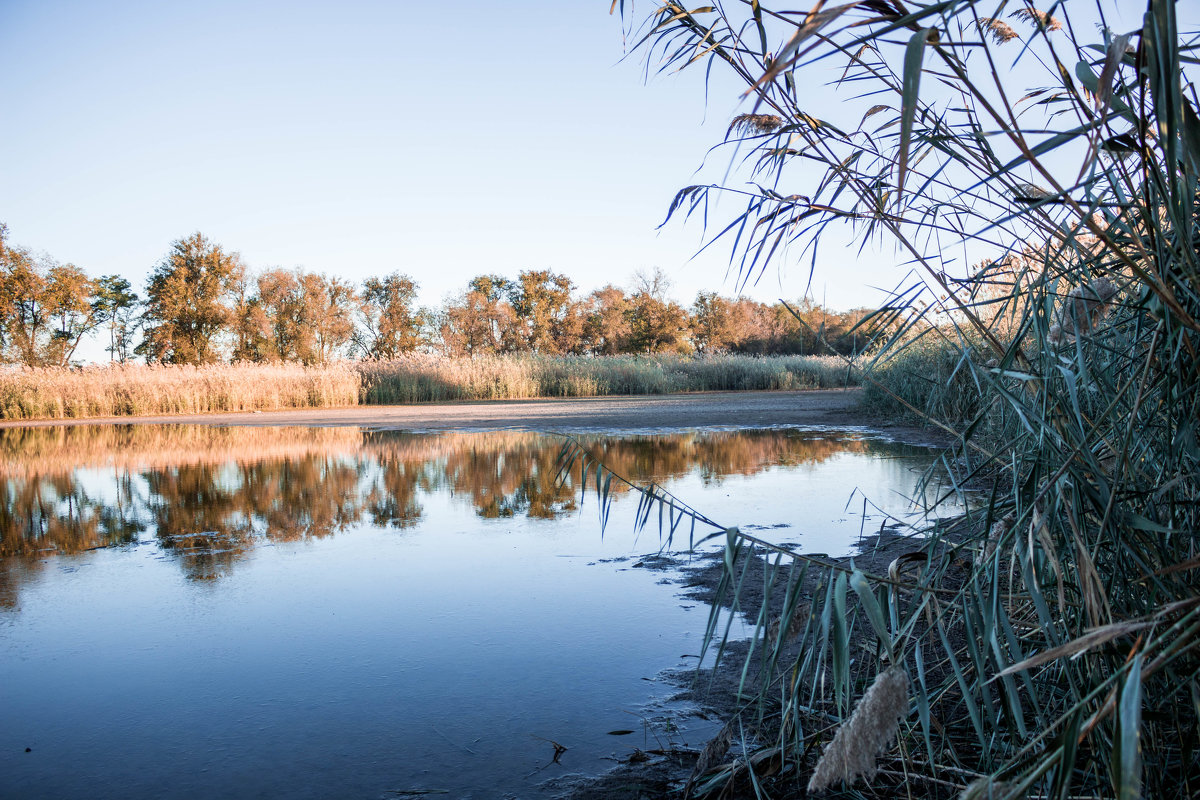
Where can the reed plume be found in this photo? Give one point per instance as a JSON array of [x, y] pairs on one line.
[[868, 732], [999, 30], [1038, 18], [754, 124]]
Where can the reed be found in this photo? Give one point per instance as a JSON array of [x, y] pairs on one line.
[[1051, 638], [138, 390], [427, 378]]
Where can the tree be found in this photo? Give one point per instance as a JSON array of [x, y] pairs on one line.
[[326, 316], [606, 329], [712, 323], [482, 321], [22, 303], [656, 323], [542, 303], [117, 308], [73, 309], [46, 308], [189, 302], [390, 324]]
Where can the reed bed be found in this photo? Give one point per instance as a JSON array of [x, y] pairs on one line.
[[423, 378], [136, 390]]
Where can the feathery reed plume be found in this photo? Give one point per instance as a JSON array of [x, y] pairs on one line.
[[987, 789], [999, 30], [1039, 18], [1030, 191], [867, 733], [712, 753], [754, 123], [1086, 305]]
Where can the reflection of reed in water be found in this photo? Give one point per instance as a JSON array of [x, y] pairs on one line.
[[61, 449], [210, 494]]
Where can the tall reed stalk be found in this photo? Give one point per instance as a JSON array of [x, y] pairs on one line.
[[1051, 640]]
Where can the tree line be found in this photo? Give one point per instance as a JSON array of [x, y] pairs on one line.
[[201, 305]]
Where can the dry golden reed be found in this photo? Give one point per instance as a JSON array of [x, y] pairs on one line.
[[999, 30], [1085, 307], [755, 124], [868, 732], [1039, 18], [141, 389]]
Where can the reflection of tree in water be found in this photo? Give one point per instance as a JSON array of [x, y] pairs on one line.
[[198, 518], [217, 501], [392, 498], [56, 514], [210, 515], [505, 482], [42, 516]]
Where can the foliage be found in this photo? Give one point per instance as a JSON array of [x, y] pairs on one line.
[[1050, 638], [390, 324], [45, 308], [117, 308], [188, 302], [294, 315]]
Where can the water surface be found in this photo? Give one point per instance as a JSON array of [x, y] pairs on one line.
[[307, 612]]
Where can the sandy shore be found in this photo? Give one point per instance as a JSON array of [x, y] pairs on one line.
[[699, 410]]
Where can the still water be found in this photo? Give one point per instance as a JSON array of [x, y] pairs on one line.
[[190, 611]]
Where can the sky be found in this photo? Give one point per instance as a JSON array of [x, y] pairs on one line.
[[363, 138], [357, 139]]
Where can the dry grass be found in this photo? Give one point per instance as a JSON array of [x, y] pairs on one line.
[[138, 390], [134, 390], [422, 378]]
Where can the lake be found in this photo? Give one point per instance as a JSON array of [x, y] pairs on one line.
[[199, 611]]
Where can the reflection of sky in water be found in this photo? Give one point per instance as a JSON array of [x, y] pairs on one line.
[[407, 635]]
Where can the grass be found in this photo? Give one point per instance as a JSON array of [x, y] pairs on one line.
[[138, 390], [419, 379]]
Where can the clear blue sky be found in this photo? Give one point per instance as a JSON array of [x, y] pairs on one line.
[[360, 139], [442, 140]]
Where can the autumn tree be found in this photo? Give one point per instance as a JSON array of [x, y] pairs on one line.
[[117, 309], [657, 324], [605, 314], [546, 314], [22, 304], [482, 320], [390, 324], [250, 324], [712, 323], [72, 309], [46, 308], [326, 316], [189, 302]]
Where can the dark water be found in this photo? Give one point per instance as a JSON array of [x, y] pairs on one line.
[[189, 611]]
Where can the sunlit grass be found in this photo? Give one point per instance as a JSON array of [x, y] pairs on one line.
[[431, 378], [138, 390], [134, 390]]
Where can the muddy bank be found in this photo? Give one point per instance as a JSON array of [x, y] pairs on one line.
[[714, 689], [832, 407]]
